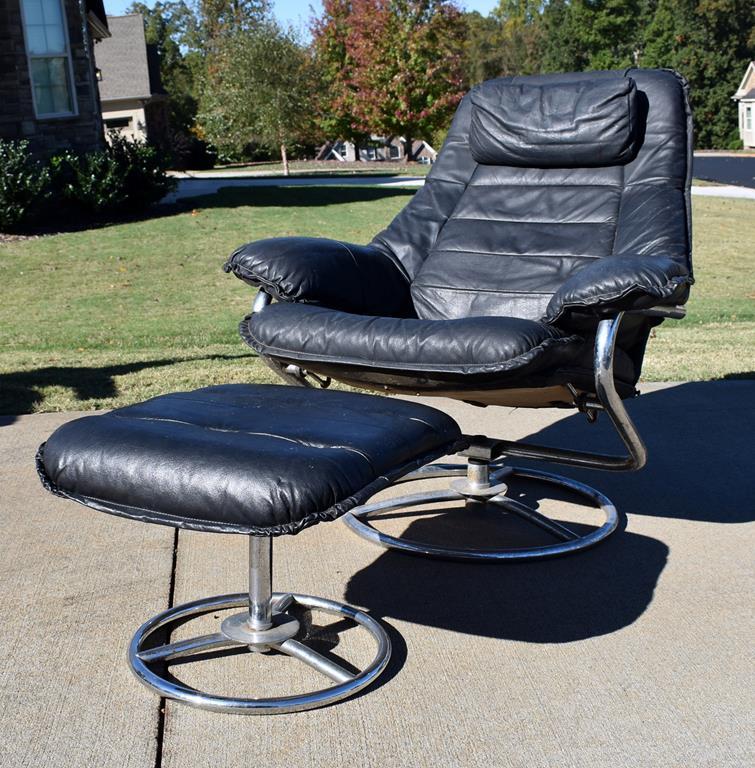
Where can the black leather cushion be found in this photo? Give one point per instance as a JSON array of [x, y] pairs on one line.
[[472, 345], [623, 281], [504, 239], [354, 278], [579, 124], [266, 460]]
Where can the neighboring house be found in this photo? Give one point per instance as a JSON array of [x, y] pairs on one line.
[[745, 95], [132, 96], [48, 86], [379, 148]]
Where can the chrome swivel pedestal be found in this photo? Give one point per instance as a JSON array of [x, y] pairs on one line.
[[486, 478], [265, 626]]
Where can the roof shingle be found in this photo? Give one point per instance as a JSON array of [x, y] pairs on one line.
[[124, 62]]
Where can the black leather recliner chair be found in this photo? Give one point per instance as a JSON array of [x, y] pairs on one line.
[[552, 234]]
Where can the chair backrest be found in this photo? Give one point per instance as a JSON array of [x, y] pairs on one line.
[[537, 177]]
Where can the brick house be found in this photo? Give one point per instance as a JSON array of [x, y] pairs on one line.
[[48, 83]]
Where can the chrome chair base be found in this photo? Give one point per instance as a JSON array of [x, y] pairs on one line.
[[485, 474], [245, 629], [491, 490]]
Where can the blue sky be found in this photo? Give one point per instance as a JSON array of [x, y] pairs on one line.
[[298, 13]]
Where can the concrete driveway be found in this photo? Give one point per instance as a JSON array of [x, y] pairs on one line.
[[635, 654]]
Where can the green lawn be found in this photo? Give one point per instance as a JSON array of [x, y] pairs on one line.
[[109, 316]]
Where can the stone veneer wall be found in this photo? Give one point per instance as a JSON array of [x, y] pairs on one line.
[[17, 120]]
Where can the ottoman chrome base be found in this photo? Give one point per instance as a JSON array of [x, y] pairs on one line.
[[492, 492], [265, 626]]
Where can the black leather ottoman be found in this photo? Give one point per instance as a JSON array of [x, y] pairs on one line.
[[258, 460]]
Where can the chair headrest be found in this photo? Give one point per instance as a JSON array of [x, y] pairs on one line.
[[578, 124]]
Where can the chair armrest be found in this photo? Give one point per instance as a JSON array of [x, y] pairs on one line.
[[619, 283], [351, 278]]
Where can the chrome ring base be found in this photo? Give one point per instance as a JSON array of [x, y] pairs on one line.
[[359, 518], [142, 660]]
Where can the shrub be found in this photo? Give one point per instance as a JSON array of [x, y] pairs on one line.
[[127, 176], [142, 169], [90, 182], [191, 153], [23, 184]]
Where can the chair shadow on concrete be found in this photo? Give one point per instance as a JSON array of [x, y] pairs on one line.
[[20, 391], [698, 437]]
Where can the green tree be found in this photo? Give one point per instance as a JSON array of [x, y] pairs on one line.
[[519, 39], [481, 55], [164, 28], [407, 75], [262, 92], [711, 43], [335, 64], [218, 19], [210, 30], [592, 34], [561, 51]]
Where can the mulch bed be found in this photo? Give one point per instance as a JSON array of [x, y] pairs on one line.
[[4, 238]]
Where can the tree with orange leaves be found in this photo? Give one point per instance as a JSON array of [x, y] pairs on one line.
[[391, 66]]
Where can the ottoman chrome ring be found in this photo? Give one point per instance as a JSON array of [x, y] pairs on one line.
[[347, 684]]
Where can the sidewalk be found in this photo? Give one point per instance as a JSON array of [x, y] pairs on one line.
[[209, 184], [636, 653]]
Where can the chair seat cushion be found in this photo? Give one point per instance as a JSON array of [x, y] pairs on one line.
[[468, 345], [264, 459]]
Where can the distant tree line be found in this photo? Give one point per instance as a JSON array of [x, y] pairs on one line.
[[241, 82], [709, 41]]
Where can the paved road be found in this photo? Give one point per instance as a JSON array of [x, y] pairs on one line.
[[725, 169]]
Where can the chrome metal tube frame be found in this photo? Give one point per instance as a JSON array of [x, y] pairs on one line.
[[264, 626], [608, 401], [567, 540], [485, 475], [291, 374]]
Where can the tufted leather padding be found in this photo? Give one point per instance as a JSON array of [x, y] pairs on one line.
[[514, 235], [469, 345], [352, 278], [623, 281], [265, 460], [584, 123]]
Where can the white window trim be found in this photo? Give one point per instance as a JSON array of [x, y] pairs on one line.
[[748, 117], [74, 101]]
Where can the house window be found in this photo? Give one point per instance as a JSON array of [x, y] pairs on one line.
[[49, 57], [118, 122], [748, 118]]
